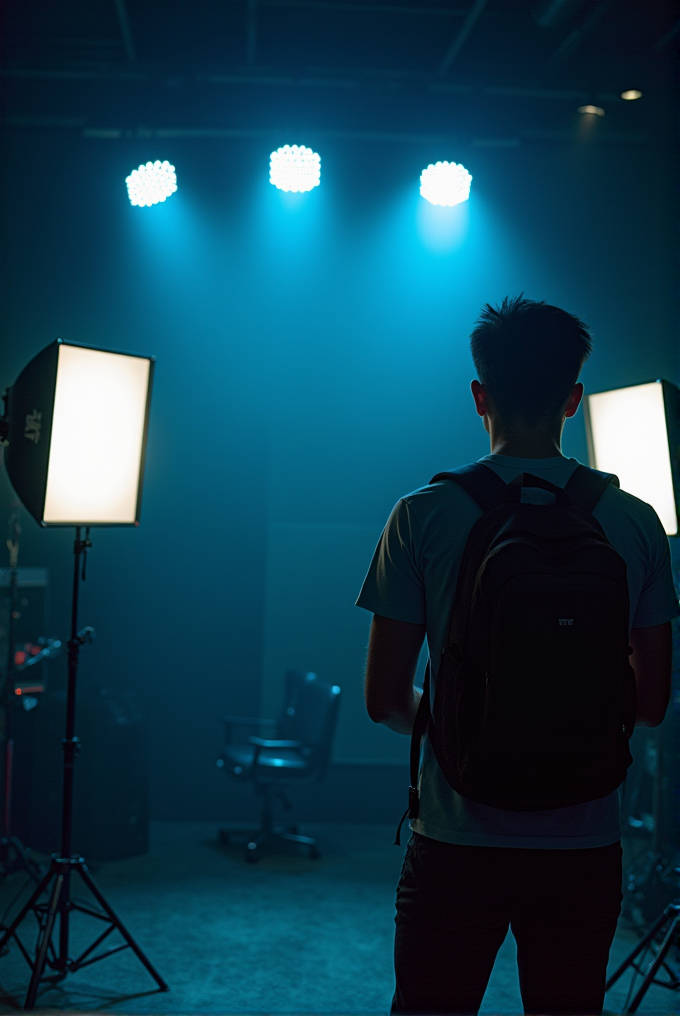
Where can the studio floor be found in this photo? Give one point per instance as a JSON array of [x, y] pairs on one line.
[[287, 935]]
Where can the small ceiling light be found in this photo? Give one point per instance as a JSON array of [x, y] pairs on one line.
[[631, 93], [151, 183], [295, 168], [445, 183], [593, 110]]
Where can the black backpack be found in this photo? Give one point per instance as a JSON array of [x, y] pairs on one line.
[[535, 697]]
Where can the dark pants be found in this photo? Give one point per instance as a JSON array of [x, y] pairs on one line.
[[455, 905]]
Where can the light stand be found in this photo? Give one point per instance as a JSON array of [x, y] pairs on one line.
[[664, 932], [52, 951], [14, 856], [667, 928], [634, 432]]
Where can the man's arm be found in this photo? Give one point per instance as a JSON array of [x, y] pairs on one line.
[[393, 651], [651, 661]]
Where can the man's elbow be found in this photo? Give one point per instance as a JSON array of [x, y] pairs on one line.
[[651, 658], [651, 718], [652, 714], [376, 709]]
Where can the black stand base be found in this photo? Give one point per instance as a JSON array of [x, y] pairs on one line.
[[14, 856], [259, 838], [667, 929], [52, 899], [268, 834]]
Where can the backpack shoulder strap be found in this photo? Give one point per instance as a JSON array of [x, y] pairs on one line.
[[586, 486], [481, 482], [420, 728]]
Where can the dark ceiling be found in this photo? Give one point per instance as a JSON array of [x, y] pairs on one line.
[[497, 70]]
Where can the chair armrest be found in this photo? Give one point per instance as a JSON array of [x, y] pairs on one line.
[[261, 742], [229, 722], [248, 721]]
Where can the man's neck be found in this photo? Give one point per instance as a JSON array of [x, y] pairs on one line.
[[526, 444]]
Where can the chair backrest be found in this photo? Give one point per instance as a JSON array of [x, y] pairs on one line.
[[310, 715]]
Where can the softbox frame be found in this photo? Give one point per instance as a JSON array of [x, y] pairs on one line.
[[29, 426]]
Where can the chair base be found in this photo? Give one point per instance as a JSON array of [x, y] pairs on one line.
[[258, 839]]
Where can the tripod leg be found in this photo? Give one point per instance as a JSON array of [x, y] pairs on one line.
[[115, 920], [29, 905], [654, 966], [24, 859], [65, 919], [41, 952], [640, 947]]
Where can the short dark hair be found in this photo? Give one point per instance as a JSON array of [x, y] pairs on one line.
[[528, 356]]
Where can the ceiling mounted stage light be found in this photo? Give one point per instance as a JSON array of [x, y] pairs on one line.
[[592, 110], [445, 183], [295, 168], [151, 183], [631, 94], [635, 433], [76, 426]]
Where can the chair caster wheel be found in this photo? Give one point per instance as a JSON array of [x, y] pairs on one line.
[[251, 853]]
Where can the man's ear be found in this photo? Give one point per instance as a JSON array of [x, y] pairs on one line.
[[479, 395], [574, 400]]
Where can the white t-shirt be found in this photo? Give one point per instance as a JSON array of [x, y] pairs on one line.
[[413, 577]]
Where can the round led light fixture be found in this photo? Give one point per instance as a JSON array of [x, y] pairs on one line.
[[592, 110], [445, 183], [151, 183], [631, 94], [295, 168]]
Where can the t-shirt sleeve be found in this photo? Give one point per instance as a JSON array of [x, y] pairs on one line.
[[658, 600], [394, 585]]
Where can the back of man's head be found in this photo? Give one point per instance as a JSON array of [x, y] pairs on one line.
[[528, 356]]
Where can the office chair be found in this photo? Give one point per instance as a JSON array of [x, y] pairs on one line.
[[299, 752]]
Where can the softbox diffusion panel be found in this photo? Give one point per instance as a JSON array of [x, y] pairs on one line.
[[78, 419], [632, 432], [671, 400]]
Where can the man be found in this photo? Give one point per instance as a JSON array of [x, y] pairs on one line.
[[473, 871]]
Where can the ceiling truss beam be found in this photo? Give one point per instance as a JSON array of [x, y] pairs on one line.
[[125, 30], [473, 16], [574, 40], [251, 32]]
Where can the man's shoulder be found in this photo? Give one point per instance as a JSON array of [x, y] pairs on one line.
[[432, 493], [616, 504], [443, 499]]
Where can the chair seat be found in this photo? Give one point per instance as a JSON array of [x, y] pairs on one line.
[[241, 756], [295, 751]]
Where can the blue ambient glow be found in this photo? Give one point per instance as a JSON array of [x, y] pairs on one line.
[[151, 183], [445, 183], [295, 168]]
